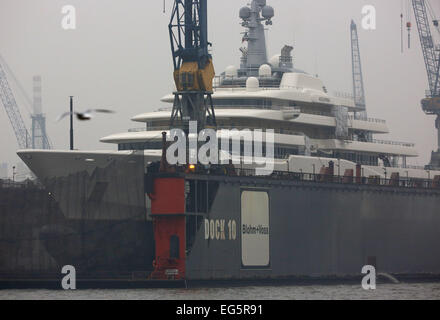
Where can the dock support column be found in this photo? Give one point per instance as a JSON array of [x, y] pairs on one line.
[[358, 173], [169, 225]]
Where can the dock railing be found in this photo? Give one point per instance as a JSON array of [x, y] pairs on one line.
[[9, 184], [400, 182]]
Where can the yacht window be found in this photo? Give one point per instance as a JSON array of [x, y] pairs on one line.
[[154, 145], [280, 152], [243, 102]]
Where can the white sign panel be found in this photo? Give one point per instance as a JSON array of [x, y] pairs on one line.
[[255, 229]]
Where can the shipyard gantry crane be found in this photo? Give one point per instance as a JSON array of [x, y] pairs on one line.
[[358, 80], [193, 75], [193, 67], [431, 54], [12, 110], [38, 138]]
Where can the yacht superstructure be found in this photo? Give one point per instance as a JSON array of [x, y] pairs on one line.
[[273, 94], [266, 93]]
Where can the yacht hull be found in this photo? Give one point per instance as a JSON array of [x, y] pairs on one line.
[[89, 212], [37, 239]]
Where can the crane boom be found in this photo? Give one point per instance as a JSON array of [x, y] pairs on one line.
[[193, 67], [430, 54], [38, 138], [189, 33], [13, 112], [358, 80]]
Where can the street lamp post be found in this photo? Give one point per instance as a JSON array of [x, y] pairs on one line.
[[339, 167], [71, 123]]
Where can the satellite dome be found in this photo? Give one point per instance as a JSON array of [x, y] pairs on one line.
[[245, 13], [275, 61], [231, 72], [265, 71], [268, 12], [252, 84], [261, 3]]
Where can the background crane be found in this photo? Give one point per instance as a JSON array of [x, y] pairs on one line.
[[13, 112], [358, 80], [38, 138], [431, 55]]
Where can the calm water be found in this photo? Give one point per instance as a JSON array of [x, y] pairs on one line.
[[429, 291]]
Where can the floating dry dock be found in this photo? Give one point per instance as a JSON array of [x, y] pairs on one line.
[[233, 226]]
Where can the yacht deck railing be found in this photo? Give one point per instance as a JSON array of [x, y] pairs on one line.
[[371, 120], [395, 143], [137, 129], [9, 184]]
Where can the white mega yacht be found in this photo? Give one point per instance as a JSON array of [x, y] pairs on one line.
[[312, 127]]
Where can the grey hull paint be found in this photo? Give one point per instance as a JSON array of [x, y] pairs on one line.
[[325, 230], [37, 239], [93, 216]]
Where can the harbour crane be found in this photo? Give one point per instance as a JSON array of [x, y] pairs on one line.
[[13, 112], [38, 138], [431, 54], [358, 80], [193, 76], [193, 67]]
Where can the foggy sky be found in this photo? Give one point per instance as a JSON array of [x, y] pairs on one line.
[[119, 57]]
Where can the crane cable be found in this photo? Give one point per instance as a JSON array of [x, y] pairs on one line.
[[409, 22], [401, 25], [434, 19], [431, 12]]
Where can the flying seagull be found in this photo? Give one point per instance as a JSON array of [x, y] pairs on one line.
[[84, 116]]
